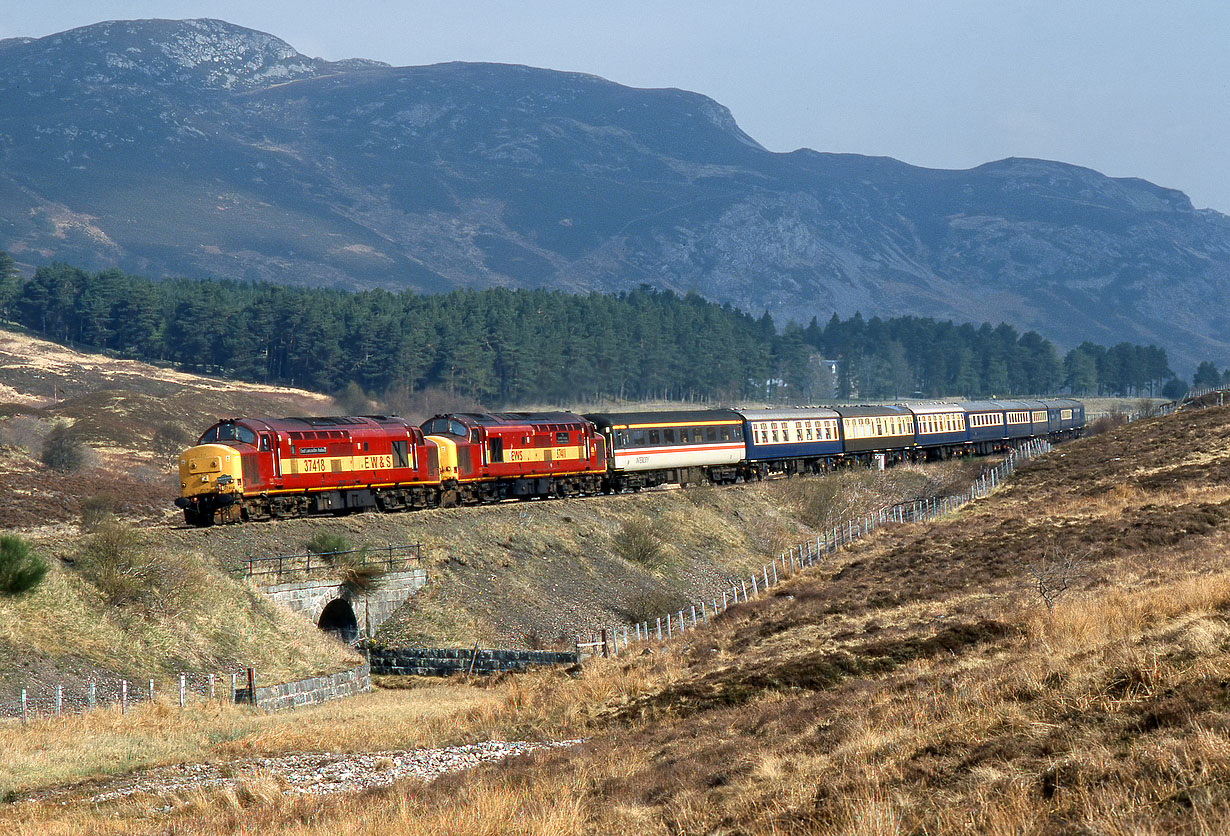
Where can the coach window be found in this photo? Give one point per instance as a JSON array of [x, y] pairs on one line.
[[655, 437], [621, 438], [668, 435], [710, 434], [773, 429], [725, 433], [638, 438]]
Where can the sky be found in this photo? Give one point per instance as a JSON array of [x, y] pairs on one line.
[[1131, 89]]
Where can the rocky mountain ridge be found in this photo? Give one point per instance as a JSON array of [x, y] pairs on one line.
[[202, 148]]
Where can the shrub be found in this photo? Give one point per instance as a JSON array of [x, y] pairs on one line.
[[326, 542], [61, 451], [654, 605], [358, 578], [20, 569], [638, 542], [129, 574], [170, 440], [97, 510]]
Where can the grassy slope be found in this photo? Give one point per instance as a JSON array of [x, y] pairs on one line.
[[65, 632], [914, 684]]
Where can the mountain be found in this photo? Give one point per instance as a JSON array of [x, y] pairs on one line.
[[201, 148]]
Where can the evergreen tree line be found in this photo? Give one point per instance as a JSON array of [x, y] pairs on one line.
[[507, 347]]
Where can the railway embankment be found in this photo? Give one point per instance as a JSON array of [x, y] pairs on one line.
[[918, 681]]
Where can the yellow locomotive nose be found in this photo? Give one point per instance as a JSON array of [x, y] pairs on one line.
[[209, 469]]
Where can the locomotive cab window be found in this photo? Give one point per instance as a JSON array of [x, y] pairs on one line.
[[400, 454]]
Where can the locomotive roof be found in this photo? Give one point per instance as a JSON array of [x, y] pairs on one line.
[[796, 414], [675, 416], [320, 422], [500, 419]]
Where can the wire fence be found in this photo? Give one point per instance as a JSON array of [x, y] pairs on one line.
[[619, 638], [196, 687], [1193, 395]]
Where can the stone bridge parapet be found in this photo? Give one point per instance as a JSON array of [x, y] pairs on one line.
[[331, 605]]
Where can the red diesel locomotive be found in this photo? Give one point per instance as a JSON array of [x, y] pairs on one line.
[[253, 468], [249, 468]]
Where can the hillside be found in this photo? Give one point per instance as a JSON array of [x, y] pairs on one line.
[[914, 683], [115, 408], [201, 148]]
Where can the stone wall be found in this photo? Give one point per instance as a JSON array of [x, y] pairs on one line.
[[423, 661], [311, 691]]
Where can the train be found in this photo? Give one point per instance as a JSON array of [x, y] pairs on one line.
[[245, 469]]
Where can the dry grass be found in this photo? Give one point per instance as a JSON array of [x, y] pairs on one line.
[[914, 685]]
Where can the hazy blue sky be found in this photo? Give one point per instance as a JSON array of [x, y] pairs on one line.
[[1129, 88]]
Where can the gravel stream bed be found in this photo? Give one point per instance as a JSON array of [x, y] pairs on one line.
[[318, 774]]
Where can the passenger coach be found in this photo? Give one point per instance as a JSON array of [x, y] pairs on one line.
[[868, 430], [804, 440], [684, 447]]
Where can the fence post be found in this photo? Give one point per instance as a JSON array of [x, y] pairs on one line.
[[151, 690], [93, 695], [625, 637], [775, 573], [694, 615], [211, 688], [605, 653], [682, 624], [755, 591], [669, 632], [124, 697], [183, 686], [252, 686], [25, 708], [59, 699], [724, 605], [232, 699], [659, 628], [765, 570], [704, 619], [744, 584]]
